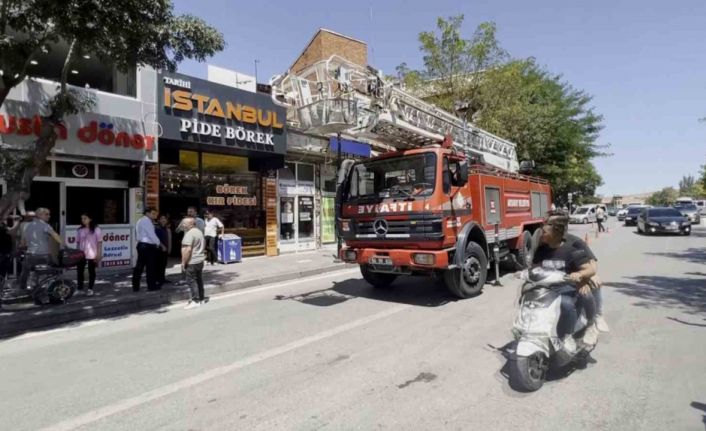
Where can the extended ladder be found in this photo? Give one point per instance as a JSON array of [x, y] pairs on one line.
[[336, 95]]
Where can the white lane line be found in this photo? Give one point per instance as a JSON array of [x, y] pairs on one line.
[[146, 397], [217, 297]]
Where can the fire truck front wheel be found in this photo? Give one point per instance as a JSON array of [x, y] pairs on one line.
[[378, 280], [468, 280]]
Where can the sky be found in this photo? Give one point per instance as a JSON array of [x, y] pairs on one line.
[[644, 62]]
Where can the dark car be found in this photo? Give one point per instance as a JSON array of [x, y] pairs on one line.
[[631, 215], [663, 220]]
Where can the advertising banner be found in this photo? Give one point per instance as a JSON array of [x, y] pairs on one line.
[[117, 249]]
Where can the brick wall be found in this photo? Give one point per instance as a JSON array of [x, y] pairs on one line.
[[325, 44]]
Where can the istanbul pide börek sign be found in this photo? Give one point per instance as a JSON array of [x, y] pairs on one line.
[[199, 111]]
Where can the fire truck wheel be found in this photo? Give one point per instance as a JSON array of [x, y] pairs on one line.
[[378, 280], [524, 253], [468, 280]]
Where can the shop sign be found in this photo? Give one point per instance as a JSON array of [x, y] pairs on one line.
[[195, 110], [291, 188], [233, 200], [88, 134], [117, 251]]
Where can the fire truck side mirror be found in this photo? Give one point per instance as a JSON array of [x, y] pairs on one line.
[[526, 166], [462, 173]]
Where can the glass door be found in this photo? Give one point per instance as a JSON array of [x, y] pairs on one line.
[[305, 223]]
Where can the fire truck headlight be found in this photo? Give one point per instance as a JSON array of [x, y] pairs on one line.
[[345, 225], [351, 255], [423, 259]]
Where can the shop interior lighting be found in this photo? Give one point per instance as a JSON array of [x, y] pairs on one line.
[[86, 56], [33, 62], [74, 71]]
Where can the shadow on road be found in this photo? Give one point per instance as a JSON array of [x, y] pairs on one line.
[[684, 322], [695, 255], [419, 291], [686, 294], [702, 407], [555, 373]]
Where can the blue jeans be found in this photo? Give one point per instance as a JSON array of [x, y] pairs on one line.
[[570, 306]]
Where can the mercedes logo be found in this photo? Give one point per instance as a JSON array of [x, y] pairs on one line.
[[380, 226]]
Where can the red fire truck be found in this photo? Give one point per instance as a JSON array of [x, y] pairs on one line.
[[427, 211], [442, 198]]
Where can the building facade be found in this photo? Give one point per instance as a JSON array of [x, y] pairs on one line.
[[220, 149], [99, 156]]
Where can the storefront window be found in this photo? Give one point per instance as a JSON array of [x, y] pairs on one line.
[[104, 205], [328, 179], [109, 172], [305, 172], [226, 187], [286, 218]]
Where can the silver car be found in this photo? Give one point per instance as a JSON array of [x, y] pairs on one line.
[[691, 212]]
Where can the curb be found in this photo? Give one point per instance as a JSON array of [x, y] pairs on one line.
[[42, 318]]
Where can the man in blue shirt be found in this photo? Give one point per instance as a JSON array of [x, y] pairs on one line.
[[148, 245]]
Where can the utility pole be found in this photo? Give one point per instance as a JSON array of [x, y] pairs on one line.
[[339, 240], [256, 61]]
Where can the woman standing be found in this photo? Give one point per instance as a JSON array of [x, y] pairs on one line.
[[164, 233], [90, 241]]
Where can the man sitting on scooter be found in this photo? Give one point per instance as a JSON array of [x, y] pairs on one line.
[[556, 252]]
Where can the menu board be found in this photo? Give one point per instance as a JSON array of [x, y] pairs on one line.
[[270, 198], [152, 185]]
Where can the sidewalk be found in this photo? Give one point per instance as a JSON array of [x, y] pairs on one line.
[[114, 295]]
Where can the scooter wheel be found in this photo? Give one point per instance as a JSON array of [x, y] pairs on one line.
[[59, 291], [527, 373]]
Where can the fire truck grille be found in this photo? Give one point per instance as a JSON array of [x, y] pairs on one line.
[[399, 229]]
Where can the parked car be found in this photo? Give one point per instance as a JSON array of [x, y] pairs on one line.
[[631, 215], [612, 211], [691, 212], [621, 213], [701, 205], [663, 220], [584, 214]]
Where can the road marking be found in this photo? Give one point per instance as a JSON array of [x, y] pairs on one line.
[[88, 323], [155, 394]]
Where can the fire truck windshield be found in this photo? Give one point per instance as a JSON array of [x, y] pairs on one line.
[[405, 176]]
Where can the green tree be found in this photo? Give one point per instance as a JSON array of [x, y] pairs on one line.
[[664, 197], [452, 63], [550, 121], [127, 33], [687, 185]]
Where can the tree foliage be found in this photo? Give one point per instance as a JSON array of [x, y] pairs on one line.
[[126, 33], [550, 121], [666, 196]]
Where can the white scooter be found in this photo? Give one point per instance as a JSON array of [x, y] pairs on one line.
[[535, 329]]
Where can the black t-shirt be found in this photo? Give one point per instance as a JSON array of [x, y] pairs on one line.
[[579, 243], [568, 257], [5, 239]]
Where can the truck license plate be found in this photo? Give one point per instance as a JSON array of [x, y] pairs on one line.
[[380, 260]]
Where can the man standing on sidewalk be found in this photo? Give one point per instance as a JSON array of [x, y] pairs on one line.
[[600, 217], [36, 237], [192, 258], [147, 246]]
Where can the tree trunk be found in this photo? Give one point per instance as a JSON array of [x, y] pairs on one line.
[[18, 186], [19, 190]]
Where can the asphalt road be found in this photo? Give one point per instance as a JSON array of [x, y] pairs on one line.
[[329, 352]]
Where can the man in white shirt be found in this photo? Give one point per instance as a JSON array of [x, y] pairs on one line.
[[147, 246], [213, 226]]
